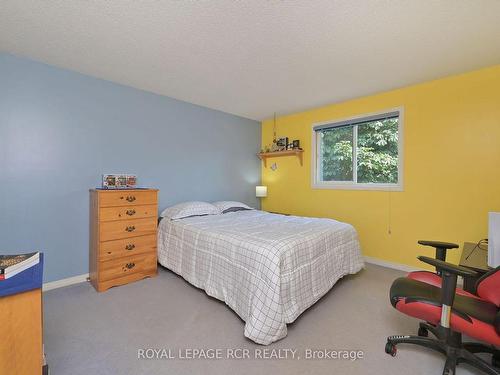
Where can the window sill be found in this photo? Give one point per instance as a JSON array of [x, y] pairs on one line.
[[351, 186]]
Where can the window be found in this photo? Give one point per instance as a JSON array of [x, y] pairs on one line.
[[359, 153]]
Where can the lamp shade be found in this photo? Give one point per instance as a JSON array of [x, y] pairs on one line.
[[261, 191]]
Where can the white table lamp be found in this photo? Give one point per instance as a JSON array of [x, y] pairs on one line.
[[261, 191]]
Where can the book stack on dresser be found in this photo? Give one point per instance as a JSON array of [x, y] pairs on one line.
[[122, 236]]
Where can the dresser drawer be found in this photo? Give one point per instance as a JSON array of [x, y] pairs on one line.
[[127, 212], [114, 269], [114, 230], [127, 198], [127, 247]]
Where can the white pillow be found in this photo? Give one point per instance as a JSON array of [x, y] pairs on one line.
[[230, 206], [187, 209]]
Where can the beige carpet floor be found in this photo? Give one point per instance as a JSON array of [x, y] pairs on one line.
[[101, 333]]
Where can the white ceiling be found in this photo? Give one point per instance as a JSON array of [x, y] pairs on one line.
[[256, 57]]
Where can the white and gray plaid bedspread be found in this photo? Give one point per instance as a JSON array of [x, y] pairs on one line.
[[268, 268]]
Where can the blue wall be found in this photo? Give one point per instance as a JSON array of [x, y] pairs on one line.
[[60, 130]]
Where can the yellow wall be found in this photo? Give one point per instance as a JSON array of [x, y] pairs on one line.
[[451, 168]]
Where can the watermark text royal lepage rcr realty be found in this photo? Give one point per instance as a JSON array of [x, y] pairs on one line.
[[244, 353]]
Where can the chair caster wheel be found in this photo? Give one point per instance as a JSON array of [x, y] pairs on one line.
[[391, 349], [423, 332]]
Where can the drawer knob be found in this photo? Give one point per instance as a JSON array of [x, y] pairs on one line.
[[130, 265], [130, 246], [130, 228], [130, 212], [130, 198]]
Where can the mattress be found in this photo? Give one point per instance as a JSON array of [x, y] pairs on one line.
[[268, 268]]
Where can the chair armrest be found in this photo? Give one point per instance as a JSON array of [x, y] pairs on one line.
[[451, 268], [439, 244], [441, 248]]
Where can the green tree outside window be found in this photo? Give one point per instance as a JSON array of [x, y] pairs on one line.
[[376, 152]]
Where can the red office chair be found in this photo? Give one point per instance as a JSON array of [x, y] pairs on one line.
[[434, 278], [450, 314]]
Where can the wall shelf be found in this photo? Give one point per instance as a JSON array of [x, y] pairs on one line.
[[265, 155]]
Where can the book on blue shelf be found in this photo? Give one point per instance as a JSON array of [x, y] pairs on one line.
[[11, 265], [23, 281]]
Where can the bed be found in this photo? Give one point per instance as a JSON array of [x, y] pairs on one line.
[[267, 267]]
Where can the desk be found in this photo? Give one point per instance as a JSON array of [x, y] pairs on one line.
[[21, 351], [475, 258], [21, 342]]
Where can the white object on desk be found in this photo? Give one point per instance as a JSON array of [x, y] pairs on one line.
[[494, 239]]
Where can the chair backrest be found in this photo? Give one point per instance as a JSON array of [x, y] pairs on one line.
[[488, 286]]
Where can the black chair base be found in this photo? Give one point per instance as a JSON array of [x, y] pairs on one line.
[[473, 347], [449, 344], [425, 328]]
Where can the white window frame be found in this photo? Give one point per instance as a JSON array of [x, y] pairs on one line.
[[316, 183]]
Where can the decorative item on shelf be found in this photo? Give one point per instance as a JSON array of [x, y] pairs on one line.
[[131, 180], [274, 128], [119, 181], [108, 181], [282, 143], [280, 147], [274, 146], [261, 191]]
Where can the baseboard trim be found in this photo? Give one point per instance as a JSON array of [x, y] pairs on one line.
[[401, 267], [394, 266], [65, 282]]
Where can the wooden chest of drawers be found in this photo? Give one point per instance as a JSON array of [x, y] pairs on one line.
[[122, 236]]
